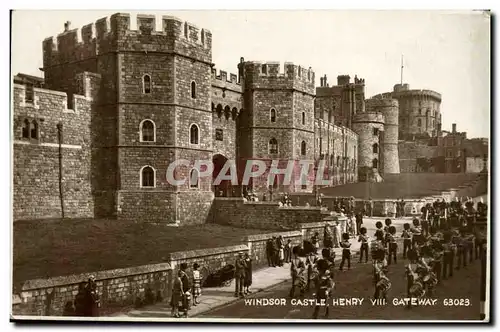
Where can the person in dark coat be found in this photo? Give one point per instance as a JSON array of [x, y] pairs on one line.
[[239, 275], [93, 303], [248, 273], [186, 288], [269, 253], [81, 300]]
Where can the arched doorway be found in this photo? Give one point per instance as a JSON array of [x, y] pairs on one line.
[[224, 189]]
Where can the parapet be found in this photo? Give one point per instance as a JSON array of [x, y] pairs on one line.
[[115, 33], [374, 103], [225, 81], [264, 73], [422, 93], [369, 116]]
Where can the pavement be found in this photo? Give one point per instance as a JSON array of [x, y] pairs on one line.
[[262, 279]]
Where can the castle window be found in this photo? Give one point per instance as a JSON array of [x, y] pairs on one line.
[[303, 148], [375, 131], [419, 122], [273, 146], [194, 134], [29, 94], [264, 69], [219, 135], [193, 90], [148, 175], [375, 163], [186, 30], [303, 118], [194, 177], [332, 159], [147, 131], [26, 128], [34, 130], [146, 84], [273, 115], [338, 161], [375, 148]]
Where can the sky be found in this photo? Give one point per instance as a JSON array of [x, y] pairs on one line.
[[444, 51]]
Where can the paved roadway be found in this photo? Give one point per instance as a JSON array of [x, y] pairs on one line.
[[465, 285]]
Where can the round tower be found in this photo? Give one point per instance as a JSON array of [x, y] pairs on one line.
[[369, 126], [390, 109]]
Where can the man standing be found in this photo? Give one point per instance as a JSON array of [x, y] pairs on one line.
[[239, 275]]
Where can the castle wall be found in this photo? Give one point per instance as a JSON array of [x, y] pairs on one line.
[[54, 159]]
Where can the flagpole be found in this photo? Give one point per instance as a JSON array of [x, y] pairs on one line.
[[402, 66]]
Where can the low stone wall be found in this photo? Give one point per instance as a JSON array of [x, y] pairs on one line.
[[257, 244], [262, 215], [120, 287]]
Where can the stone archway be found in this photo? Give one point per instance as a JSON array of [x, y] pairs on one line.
[[224, 189]]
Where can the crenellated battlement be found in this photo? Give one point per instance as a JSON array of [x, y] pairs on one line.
[[123, 31], [270, 75], [224, 77], [369, 116], [402, 93]]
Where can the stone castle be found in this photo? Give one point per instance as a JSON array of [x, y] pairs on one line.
[[117, 106]]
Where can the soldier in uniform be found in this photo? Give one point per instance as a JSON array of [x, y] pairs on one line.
[[448, 255], [406, 239], [297, 271], [324, 286], [392, 245], [363, 238], [382, 282], [346, 251]]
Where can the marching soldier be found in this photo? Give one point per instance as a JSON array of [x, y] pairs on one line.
[[382, 282], [448, 255], [297, 272], [406, 239], [392, 245], [324, 286]]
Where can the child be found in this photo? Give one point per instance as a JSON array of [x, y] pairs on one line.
[[346, 251], [363, 238], [406, 239], [393, 246], [196, 284]]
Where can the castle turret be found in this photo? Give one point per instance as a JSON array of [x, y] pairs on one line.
[[369, 126], [390, 109]]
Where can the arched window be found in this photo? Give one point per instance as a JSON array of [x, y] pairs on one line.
[[273, 145], [26, 129], [303, 118], [273, 115], [419, 122], [375, 163], [146, 84], [303, 148], [194, 134], [194, 178], [193, 90], [148, 177], [34, 129], [338, 161], [147, 130], [375, 148]]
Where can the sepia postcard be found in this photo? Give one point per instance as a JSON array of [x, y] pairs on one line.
[[250, 166]]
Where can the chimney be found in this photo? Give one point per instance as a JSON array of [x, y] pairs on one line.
[[321, 82], [454, 128], [325, 80], [67, 25]]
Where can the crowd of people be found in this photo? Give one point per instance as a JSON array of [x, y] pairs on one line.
[[430, 253], [87, 301]]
